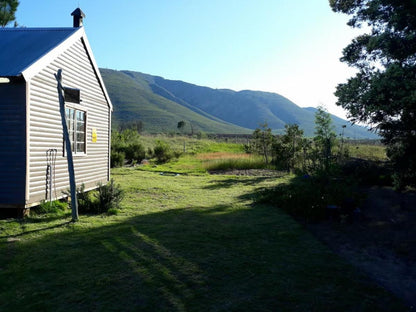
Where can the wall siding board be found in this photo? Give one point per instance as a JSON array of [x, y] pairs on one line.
[[12, 144], [46, 128]]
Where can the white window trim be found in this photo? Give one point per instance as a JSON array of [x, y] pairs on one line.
[[78, 107]]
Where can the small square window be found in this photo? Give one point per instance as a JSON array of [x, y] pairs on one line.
[[72, 95]]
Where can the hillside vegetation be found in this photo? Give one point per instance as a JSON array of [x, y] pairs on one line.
[[160, 104], [134, 100]]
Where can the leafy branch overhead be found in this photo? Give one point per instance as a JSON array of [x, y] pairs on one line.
[[382, 93], [7, 11]]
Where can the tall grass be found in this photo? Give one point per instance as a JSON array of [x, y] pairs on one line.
[[367, 151], [230, 161], [192, 145]]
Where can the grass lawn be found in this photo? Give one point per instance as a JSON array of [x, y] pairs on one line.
[[179, 243]]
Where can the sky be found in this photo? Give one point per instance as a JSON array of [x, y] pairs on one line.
[[282, 46]]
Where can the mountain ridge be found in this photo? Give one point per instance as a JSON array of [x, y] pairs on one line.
[[161, 103]]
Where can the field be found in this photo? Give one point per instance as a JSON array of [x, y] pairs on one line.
[[183, 240]]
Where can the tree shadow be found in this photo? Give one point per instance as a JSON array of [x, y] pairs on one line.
[[189, 259], [24, 233], [231, 182]]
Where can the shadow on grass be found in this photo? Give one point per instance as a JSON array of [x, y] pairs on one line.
[[195, 259], [231, 182], [25, 232]]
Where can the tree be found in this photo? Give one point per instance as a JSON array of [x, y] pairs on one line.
[[181, 125], [324, 135], [382, 93], [288, 148], [262, 141], [7, 10]]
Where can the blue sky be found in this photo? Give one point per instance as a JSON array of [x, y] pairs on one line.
[[283, 46]]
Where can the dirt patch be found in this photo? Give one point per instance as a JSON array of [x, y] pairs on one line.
[[380, 240], [250, 172]]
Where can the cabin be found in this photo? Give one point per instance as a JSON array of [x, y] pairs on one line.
[[33, 158]]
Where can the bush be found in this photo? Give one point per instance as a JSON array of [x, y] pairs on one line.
[[307, 198], [85, 203], [117, 159], [134, 152], [126, 145], [301, 198], [162, 152], [367, 172], [108, 197], [51, 207]]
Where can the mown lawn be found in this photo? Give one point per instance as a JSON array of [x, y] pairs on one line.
[[179, 243]]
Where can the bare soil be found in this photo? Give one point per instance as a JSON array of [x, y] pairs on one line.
[[250, 172], [380, 240]]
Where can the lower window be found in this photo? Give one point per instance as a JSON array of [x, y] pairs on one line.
[[75, 121]]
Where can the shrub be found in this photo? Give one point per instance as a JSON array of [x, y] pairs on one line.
[[85, 203], [367, 172], [134, 152], [108, 197], [162, 152], [150, 153], [112, 211], [301, 198], [307, 198], [51, 207], [126, 145], [117, 159]]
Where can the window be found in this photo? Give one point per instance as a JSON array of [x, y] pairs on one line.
[[72, 95], [75, 121]]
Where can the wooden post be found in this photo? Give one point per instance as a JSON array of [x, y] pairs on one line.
[[72, 184]]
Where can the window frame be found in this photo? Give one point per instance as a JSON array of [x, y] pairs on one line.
[[72, 123], [72, 95]]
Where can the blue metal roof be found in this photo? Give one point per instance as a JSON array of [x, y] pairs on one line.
[[21, 47]]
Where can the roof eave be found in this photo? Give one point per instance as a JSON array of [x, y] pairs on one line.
[[43, 61], [97, 70], [34, 68]]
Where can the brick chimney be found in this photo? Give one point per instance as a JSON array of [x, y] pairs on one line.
[[78, 16]]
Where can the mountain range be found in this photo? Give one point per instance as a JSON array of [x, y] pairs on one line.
[[161, 103]]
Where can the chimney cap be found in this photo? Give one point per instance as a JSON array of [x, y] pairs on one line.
[[78, 12], [78, 16]]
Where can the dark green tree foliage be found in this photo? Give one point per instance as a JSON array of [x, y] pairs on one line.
[[133, 124], [7, 11], [126, 145], [383, 92], [181, 125], [162, 152], [324, 136]]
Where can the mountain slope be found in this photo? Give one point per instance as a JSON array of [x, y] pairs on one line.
[[218, 108], [133, 99]]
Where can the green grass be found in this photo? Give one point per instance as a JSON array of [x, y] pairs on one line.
[[190, 162], [179, 243], [375, 152], [192, 145]]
